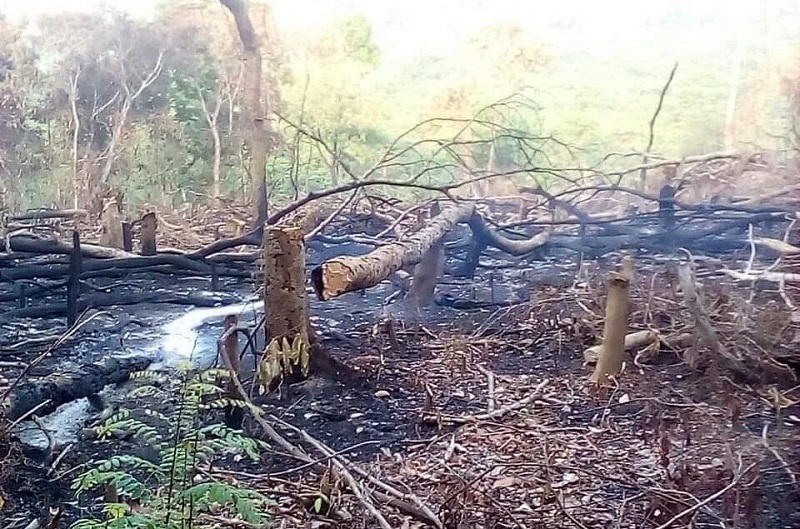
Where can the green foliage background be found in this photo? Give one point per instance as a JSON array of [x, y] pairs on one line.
[[358, 78]]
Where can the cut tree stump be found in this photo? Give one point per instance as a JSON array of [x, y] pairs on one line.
[[609, 361], [286, 304], [147, 234], [284, 284], [111, 218], [347, 274]]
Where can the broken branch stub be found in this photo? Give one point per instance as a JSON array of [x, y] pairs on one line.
[[609, 362], [346, 274]]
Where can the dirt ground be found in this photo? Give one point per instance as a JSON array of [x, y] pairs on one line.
[[543, 448]]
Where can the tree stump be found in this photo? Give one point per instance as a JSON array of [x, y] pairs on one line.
[[111, 219], [285, 302], [147, 234], [609, 361]]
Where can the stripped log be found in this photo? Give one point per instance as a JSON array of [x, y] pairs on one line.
[[346, 274], [609, 362]]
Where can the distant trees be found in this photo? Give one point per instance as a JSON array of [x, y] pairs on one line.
[[104, 75], [205, 102]]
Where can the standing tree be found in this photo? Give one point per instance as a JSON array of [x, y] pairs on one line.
[[256, 115]]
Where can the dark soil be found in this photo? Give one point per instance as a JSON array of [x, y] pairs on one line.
[[437, 348]]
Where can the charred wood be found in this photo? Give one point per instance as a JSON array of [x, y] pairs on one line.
[[107, 300], [73, 280], [87, 380]]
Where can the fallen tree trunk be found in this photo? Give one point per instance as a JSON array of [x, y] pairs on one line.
[[50, 214], [107, 300], [513, 246], [49, 393], [346, 274], [134, 261], [26, 243]]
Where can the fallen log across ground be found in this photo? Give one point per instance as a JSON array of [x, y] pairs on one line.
[[28, 243], [340, 275], [50, 214], [197, 299], [132, 262], [346, 274], [47, 394]]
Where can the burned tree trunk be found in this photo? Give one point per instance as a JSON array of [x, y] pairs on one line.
[[73, 281], [147, 234], [666, 207], [284, 284], [293, 350], [346, 274], [513, 246], [49, 393], [286, 307]]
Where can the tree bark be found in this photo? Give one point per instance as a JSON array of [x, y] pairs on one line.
[[346, 274], [256, 133]]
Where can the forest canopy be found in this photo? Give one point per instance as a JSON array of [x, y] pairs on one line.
[[153, 105]]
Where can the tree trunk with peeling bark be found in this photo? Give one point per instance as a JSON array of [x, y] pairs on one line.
[[346, 274], [256, 131]]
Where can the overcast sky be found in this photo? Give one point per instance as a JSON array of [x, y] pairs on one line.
[[411, 26]]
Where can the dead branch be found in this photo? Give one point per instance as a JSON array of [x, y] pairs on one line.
[[648, 150], [703, 326], [434, 418]]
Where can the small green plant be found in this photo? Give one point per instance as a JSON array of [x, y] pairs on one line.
[[166, 490]]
